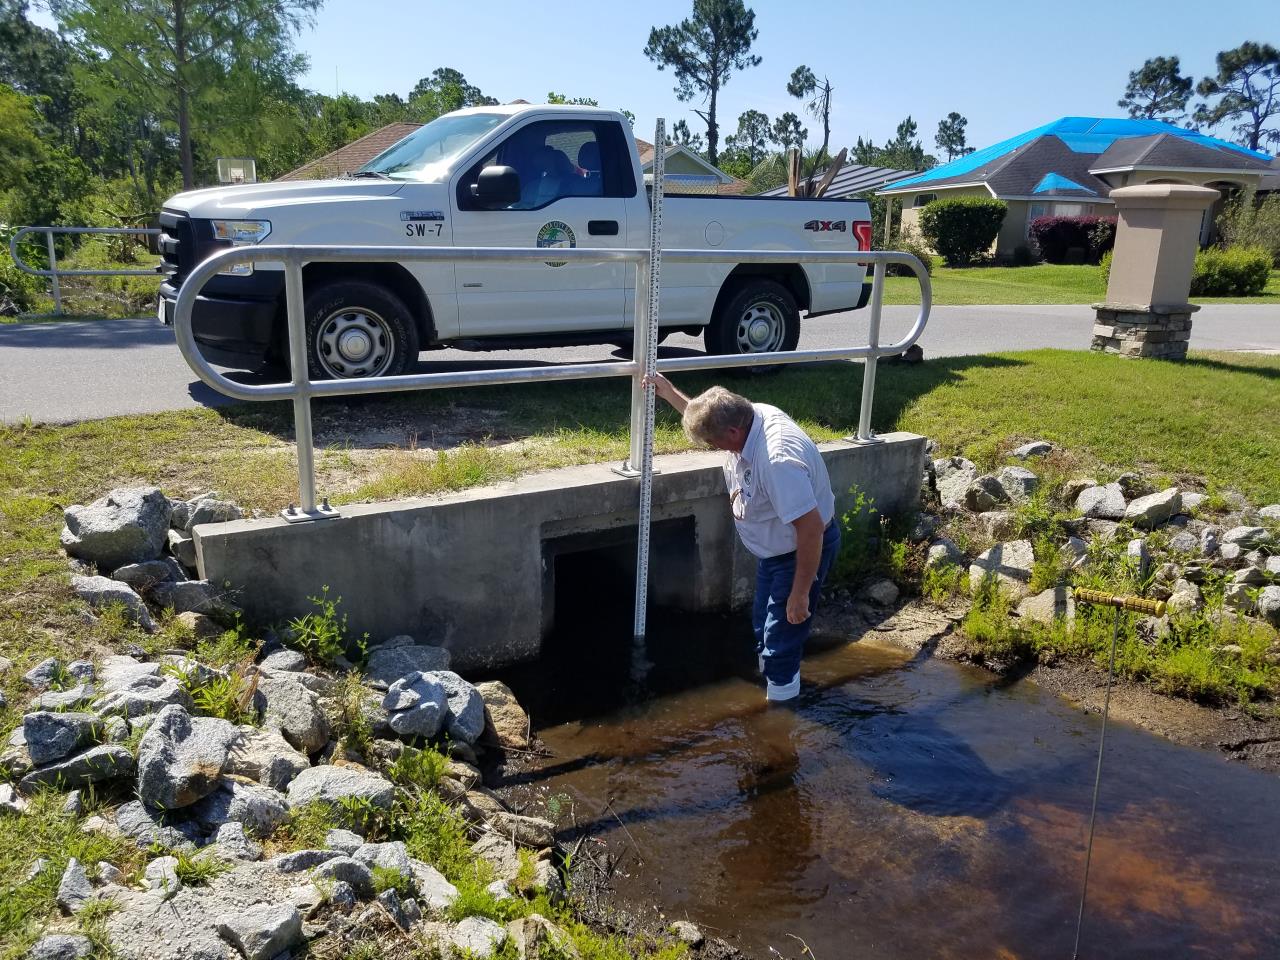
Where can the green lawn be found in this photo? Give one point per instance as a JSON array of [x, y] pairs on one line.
[[1044, 283]]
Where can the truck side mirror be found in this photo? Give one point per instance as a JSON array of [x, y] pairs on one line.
[[497, 187]]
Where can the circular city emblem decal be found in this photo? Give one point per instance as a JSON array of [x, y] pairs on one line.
[[557, 234]]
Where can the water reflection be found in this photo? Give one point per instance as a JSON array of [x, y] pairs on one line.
[[907, 809]]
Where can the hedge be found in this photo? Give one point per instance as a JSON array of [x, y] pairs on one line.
[[1058, 236], [1231, 272], [962, 229]]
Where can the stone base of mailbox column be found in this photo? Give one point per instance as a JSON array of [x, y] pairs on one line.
[[1133, 331]]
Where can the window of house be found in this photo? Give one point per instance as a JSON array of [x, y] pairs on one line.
[[924, 198]]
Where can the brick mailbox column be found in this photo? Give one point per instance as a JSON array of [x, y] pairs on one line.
[[1146, 313]]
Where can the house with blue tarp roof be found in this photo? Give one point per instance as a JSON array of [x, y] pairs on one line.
[[1070, 166]]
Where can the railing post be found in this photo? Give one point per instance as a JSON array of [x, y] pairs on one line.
[[53, 270], [865, 433], [299, 367]]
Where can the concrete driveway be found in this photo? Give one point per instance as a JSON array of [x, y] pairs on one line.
[[60, 372]]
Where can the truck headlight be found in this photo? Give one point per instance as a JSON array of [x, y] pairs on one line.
[[240, 233]]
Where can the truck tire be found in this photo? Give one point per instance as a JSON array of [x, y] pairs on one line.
[[358, 329], [760, 316]]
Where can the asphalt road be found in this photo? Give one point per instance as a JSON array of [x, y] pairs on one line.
[[61, 372]]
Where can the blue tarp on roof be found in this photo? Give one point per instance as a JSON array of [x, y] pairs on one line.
[[1082, 134], [1056, 181]]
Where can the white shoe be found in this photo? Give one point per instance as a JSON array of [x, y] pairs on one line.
[[777, 692]]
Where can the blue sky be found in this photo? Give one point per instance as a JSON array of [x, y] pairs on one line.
[[1006, 66]]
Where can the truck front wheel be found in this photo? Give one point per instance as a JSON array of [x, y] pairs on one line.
[[759, 317], [358, 329]]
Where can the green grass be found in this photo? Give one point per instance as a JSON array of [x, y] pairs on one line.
[[1040, 284]]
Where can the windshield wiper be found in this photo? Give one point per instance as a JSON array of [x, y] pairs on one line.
[[368, 173]]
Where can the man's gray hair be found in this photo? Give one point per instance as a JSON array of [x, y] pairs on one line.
[[714, 411]]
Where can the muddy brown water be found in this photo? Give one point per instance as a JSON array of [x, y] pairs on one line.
[[905, 808]]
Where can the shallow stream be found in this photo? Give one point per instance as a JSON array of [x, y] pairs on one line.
[[906, 808]]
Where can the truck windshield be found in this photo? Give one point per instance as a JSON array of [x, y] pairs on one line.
[[427, 151]]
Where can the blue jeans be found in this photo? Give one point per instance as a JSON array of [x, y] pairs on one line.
[[780, 644]]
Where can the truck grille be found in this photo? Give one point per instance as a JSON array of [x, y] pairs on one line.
[[177, 246]]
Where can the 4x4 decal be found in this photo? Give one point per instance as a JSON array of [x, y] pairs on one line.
[[823, 226]]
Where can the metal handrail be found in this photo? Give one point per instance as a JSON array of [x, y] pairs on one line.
[[301, 388], [53, 271]]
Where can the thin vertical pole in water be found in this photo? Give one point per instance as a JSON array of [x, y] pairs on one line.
[[1097, 782], [648, 329]]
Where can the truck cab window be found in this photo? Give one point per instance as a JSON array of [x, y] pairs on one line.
[[555, 159]]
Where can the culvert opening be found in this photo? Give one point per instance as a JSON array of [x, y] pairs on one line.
[[588, 618]]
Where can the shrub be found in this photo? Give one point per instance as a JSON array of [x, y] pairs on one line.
[[19, 292], [962, 229], [1231, 272], [1058, 236], [1246, 223], [1105, 265], [908, 243], [1024, 256]]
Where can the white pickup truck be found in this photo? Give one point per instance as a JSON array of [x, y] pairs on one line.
[[500, 176]]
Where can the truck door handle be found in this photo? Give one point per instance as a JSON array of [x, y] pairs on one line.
[[602, 228]]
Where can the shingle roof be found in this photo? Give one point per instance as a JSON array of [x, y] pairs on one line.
[[852, 180], [1166, 150], [1079, 139], [354, 155]]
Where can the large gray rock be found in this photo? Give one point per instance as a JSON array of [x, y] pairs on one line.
[[45, 674], [1185, 597], [465, 720], [74, 889], [344, 841], [500, 853], [266, 756], [1269, 605], [144, 694], [1010, 563], [1074, 553], [1210, 541], [128, 525], [52, 736], [1270, 512], [416, 705], [288, 661], [61, 700], [183, 549], [1139, 556], [10, 802], [389, 856], [984, 493], [262, 931], [1036, 448], [143, 576], [210, 510], [301, 860], [1018, 482], [149, 827], [1236, 596], [181, 758], [1247, 538], [477, 937], [260, 809], [507, 722], [95, 765], [528, 831], [1191, 501], [118, 672], [347, 870], [295, 711], [389, 664], [194, 596], [162, 874], [954, 474], [881, 591], [943, 550], [101, 592], [1056, 603], [1102, 503], [1184, 541], [61, 946], [1154, 509], [231, 842], [331, 785], [997, 524]]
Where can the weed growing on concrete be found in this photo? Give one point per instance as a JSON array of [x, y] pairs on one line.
[[322, 635]]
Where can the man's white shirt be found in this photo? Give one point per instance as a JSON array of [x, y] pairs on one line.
[[777, 478]]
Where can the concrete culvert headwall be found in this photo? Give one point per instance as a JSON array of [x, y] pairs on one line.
[[477, 571]]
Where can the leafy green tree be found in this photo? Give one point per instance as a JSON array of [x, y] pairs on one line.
[[681, 134], [787, 132], [39, 63], [753, 137], [1247, 86], [703, 52], [903, 152], [950, 136], [804, 83], [181, 51], [554, 97], [40, 182], [1157, 91], [444, 91]]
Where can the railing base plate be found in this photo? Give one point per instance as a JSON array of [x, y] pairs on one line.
[[864, 442], [625, 469], [295, 515]]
